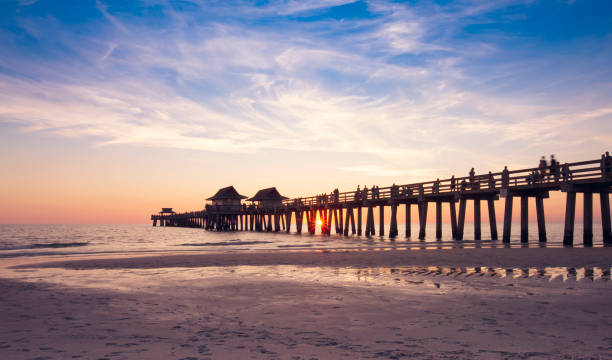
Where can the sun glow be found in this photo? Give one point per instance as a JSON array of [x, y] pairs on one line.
[[319, 222]]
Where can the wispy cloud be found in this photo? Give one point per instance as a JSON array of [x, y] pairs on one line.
[[395, 87]]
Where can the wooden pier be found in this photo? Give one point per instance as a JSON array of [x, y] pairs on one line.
[[270, 211]]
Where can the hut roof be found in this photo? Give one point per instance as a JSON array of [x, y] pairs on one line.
[[268, 194], [227, 193]]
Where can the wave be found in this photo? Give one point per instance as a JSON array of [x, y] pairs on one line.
[[54, 245], [227, 243]]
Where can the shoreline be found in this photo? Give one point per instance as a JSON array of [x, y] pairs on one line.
[[502, 257]]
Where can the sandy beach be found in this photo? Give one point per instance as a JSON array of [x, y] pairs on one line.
[[307, 305]]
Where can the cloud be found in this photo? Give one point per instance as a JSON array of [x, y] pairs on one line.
[[104, 10], [299, 6], [236, 87]]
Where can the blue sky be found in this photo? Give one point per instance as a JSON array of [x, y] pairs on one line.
[[379, 90]]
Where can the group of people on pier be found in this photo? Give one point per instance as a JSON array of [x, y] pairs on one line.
[[547, 171]]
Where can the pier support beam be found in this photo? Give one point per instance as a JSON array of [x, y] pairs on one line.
[[312, 221], [524, 219], [408, 219], [587, 236], [336, 220], [277, 225], [381, 220], [330, 213], [393, 227], [288, 215], [269, 228], [299, 220], [570, 213], [438, 220], [605, 217], [461, 224], [422, 219], [541, 219], [346, 221], [370, 222], [492, 219], [507, 231], [359, 220], [453, 216], [282, 216], [477, 227]]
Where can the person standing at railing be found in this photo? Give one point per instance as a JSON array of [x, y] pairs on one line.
[[505, 177], [606, 166], [472, 173], [436, 186], [394, 191], [542, 167], [565, 172], [554, 168], [491, 181], [452, 183], [357, 194], [365, 192]]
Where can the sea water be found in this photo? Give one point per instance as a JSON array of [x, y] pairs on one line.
[[31, 240]]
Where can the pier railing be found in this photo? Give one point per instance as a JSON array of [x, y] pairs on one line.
[[577, 172]]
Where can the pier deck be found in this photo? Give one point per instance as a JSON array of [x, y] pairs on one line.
[[587, 177]]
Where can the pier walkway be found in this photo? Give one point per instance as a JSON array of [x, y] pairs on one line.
[[344, 210]]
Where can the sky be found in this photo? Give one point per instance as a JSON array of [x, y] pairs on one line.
[[110, 110]]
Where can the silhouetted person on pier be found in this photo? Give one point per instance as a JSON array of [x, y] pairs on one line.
[[463, 185], [542, 167], [606, 166], [472, 173], [491, 181], [365, 192], [452, 183], [505, 177], [394, 191], [532, 178], [436, 186], [357, 194], [336, 195], [565, 172], [554, 168], [421, 190]]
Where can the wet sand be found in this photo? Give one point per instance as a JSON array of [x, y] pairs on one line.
[[304, 305]]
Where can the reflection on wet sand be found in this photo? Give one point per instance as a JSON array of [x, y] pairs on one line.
[[547, 273], [442, 245]]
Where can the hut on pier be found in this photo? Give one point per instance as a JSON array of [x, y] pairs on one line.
[[166, 211], [226, 199], [268, 198]]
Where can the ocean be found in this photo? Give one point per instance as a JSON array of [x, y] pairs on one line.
[[37, 240]]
